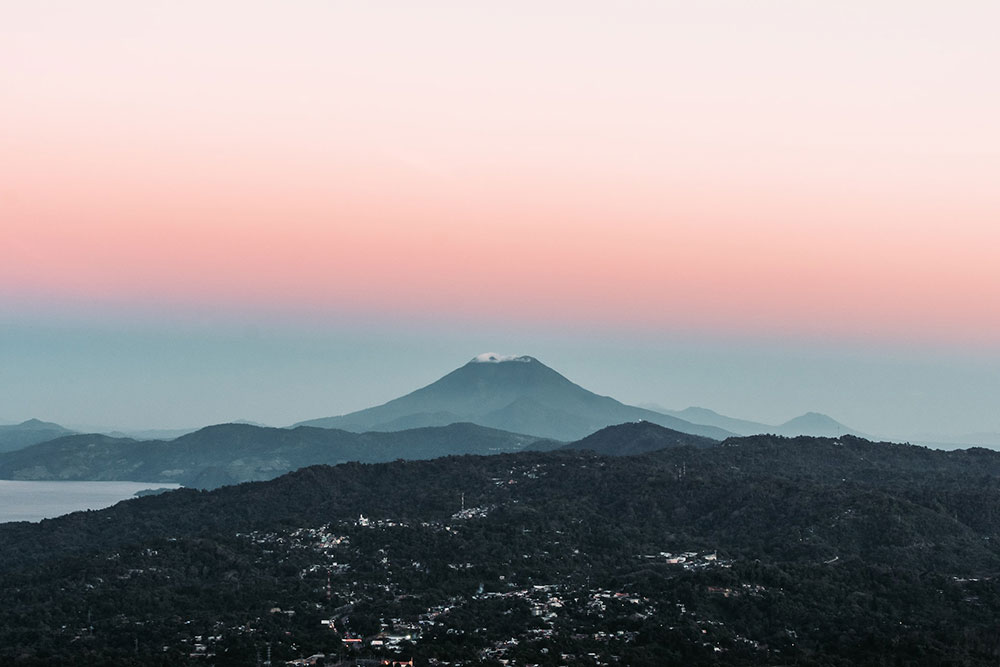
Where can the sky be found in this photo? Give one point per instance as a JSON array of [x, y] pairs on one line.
[[279, 211]]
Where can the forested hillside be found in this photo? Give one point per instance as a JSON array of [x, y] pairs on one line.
[[760, 550]]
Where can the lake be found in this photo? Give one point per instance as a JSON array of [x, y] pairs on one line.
[[34, 501]]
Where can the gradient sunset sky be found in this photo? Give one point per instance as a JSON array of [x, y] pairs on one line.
[[284, 210]]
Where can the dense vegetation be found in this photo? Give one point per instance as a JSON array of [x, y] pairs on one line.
[[629, 439], [761, 550]]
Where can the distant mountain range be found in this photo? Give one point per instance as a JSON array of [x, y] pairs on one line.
[[166, 433], [517, 394], [30, 432], [811, 423], [234, 453], [962, 441], [492, 404], [152, 433]]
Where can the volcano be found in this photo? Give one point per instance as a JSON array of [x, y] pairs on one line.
[[512, 393]]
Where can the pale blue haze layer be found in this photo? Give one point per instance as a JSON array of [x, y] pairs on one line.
[[168, 371]]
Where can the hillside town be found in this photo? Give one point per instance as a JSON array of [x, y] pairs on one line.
[[546, 613]]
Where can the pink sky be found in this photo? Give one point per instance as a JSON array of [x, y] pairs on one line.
[[807, 168]]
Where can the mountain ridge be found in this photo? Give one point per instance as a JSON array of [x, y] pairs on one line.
[[814, 424], [512, 393], [224, 454], [29, 432]]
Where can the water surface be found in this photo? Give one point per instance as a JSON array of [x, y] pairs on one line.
[[34, 501]]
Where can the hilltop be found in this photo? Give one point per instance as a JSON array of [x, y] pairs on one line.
[[30, 432]]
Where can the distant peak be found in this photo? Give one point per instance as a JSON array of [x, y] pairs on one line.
[[38, 423], [494, 358], [695, 410], [813, 416]]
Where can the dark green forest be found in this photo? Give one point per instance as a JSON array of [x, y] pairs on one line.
[[761, 550]]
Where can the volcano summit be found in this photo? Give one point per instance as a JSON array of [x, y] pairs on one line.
[[511, 393]]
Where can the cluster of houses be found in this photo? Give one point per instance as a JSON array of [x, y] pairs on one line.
[[689, 560], [552, 606]]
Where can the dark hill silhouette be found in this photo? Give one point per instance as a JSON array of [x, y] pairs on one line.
[[517, 394], [637, 438]]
